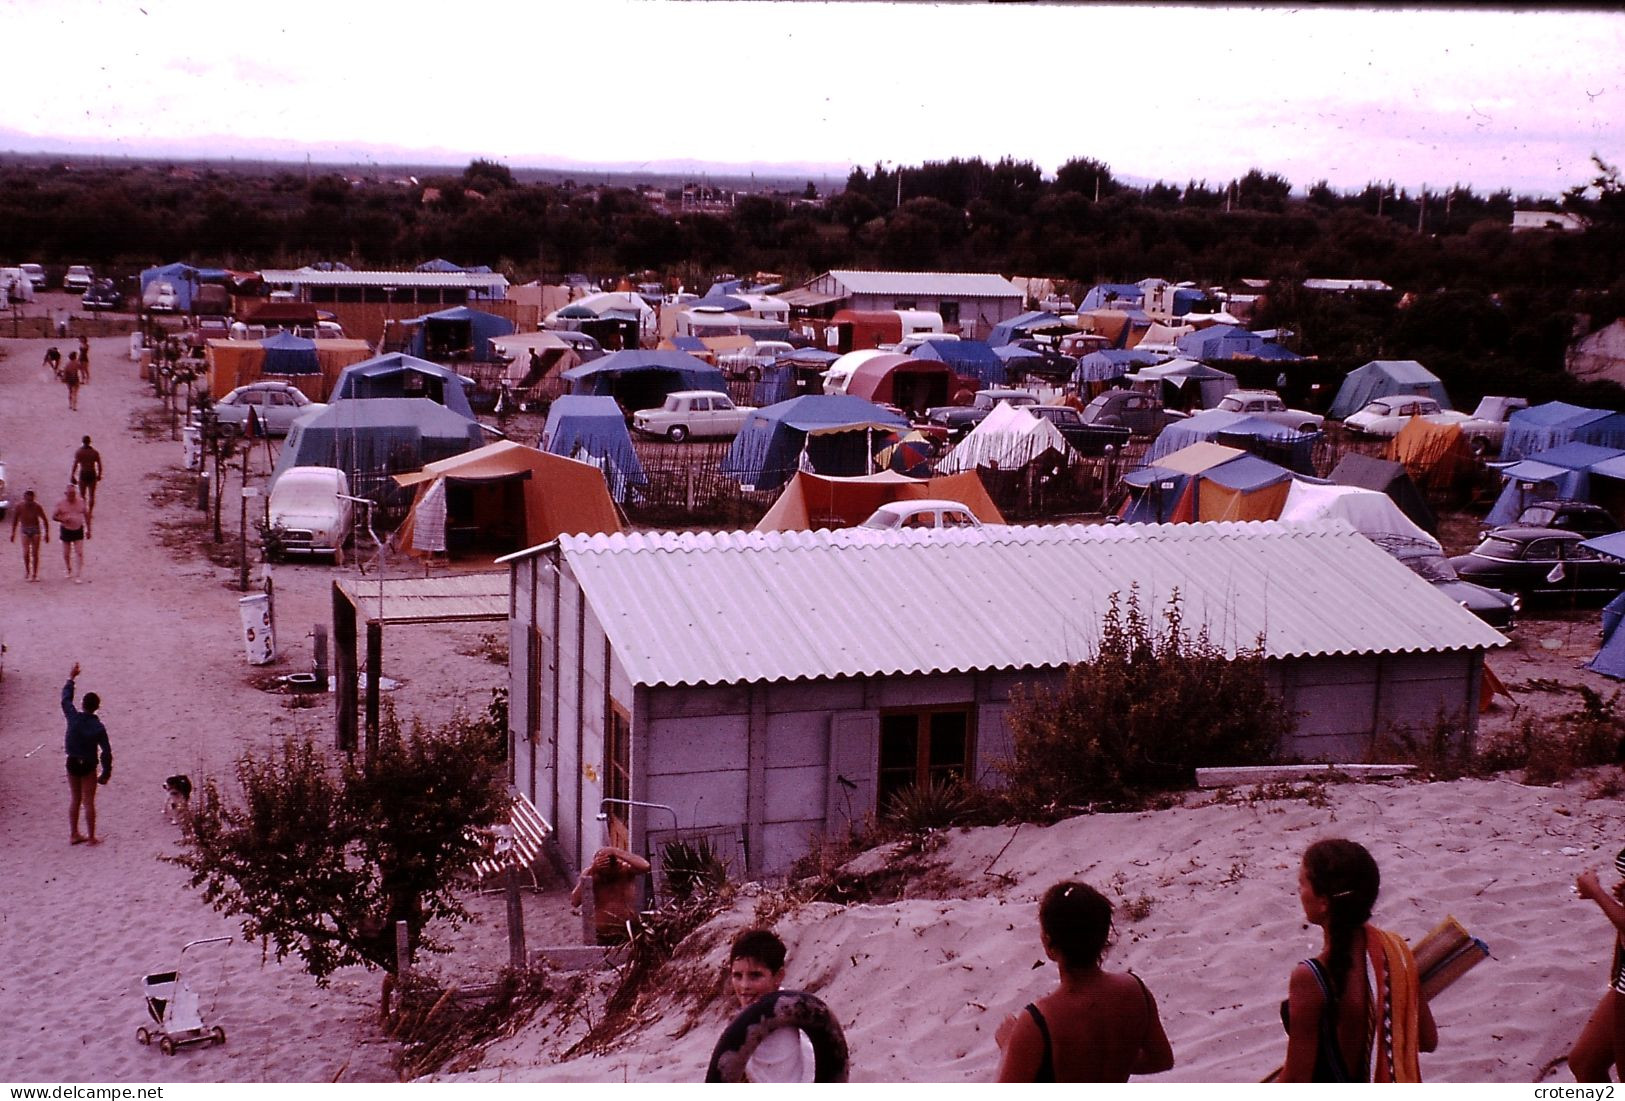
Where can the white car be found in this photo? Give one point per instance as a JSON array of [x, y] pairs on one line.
[[703, 414], [276, 405], [36, 275], [162, 298], [79, 278], [921, 513], [1387, 416], [1486, 427], [310, 513], [1268, 405]]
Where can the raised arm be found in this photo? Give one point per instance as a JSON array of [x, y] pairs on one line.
[[1589, 886]]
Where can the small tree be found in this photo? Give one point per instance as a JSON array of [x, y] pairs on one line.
[[1153, 705], [322, 862]]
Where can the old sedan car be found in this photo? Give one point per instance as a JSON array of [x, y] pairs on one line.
[[1541, 562], [1386, 416], [102, 295], [79, 278], [1581, 516], [1428, 562], [1141, 414], [702, 414], [922, 512], [1086, 439], [276, 406], [1268, 405], [960, 419]]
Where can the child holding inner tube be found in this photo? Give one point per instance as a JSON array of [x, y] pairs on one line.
[[756, 968]]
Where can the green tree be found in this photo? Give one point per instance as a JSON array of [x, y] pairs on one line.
[[322, 862], [1155, 703]]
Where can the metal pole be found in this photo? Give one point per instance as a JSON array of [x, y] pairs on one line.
[[242, 528]]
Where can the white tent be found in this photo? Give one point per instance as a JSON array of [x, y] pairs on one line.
[[605, 301], [1008, 439], [516, 349], [1365, 510]]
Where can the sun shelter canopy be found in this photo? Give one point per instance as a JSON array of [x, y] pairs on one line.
[[1198, 384], [554, 496], [457, 332], [593, 430], [286, 354], [1389, 477], [1007, 439], [1563, 471], [641, 379], [967, 358], [1187, 460], [834, 433], [1382, 378], [812, 501], [1542, 427], [1110, 363], [1365, 510], [374, 439], [398, 375]]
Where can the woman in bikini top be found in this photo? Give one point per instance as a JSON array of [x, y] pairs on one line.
[[1097, 1026]]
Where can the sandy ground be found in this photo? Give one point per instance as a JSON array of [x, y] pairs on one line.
[[156, 628]]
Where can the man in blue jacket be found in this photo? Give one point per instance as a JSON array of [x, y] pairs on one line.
[[86, 738]]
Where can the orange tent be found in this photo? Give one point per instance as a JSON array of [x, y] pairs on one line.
[[1436, 456], [812, 501]]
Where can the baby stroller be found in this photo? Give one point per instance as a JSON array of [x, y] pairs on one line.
[[174, 1008]]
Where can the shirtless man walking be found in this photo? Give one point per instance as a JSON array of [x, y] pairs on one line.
[[85, 740], [85, 473], [30, 516], [71, 519]]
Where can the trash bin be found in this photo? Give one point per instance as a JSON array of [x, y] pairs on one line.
[[192, 444], [258, 637]]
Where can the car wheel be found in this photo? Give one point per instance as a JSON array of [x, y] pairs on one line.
[[677, 433], [1480, 446]]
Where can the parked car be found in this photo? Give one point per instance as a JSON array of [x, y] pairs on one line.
[[1141, 414], [103, 295], [1386, 416], [79, 278], [960, 419], [36, 275], [1581, 516], [309, 512], [1268, 405], [1541, 562], [921, 513], [1085, 439], [276, 406], [1486, 427], [1428, 562], [703, 414], [161, 297], [750, 364]]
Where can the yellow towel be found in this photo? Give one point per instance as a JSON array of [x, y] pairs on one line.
[[1395, 1007]]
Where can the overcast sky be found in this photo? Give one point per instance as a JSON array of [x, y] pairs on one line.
[[1518, 99]]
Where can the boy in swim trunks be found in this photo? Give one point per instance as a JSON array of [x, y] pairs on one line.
[[1602, 1043], [85, 740], [86, 472], [30, 516]]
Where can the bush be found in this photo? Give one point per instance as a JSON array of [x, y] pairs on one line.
[[935, 805], [1154, 704], [693, 868]]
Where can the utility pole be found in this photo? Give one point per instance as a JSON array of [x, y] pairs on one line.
[[1421, 208]]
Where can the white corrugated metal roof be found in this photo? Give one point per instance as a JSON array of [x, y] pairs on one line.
[[308, 278], [736, 607], [968, 284]]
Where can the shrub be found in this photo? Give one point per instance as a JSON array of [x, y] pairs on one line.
[[692, 868], [1154, 704], [934, 805]]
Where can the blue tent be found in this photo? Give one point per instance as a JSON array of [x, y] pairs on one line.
[[398, 375], [1563, 471], [1236, 430], [839, 434], [374, 439], [1218, 342], [1112, 296], [286, 354], [1022, 324], [968, 358], [1544, 426], [1110, 363], [594, 430], [1610, 660], [185, 278], [456, 330], [438, 265], [641, 379], [1381, 378]]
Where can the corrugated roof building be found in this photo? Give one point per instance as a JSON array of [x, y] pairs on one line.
[[970, 303], [773, 686]]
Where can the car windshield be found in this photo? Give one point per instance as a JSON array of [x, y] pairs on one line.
[[1500, 548], [882, 521], [1538, 516], [1057, 415], [1231, 405], [1433, 567], [1379, 409]]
